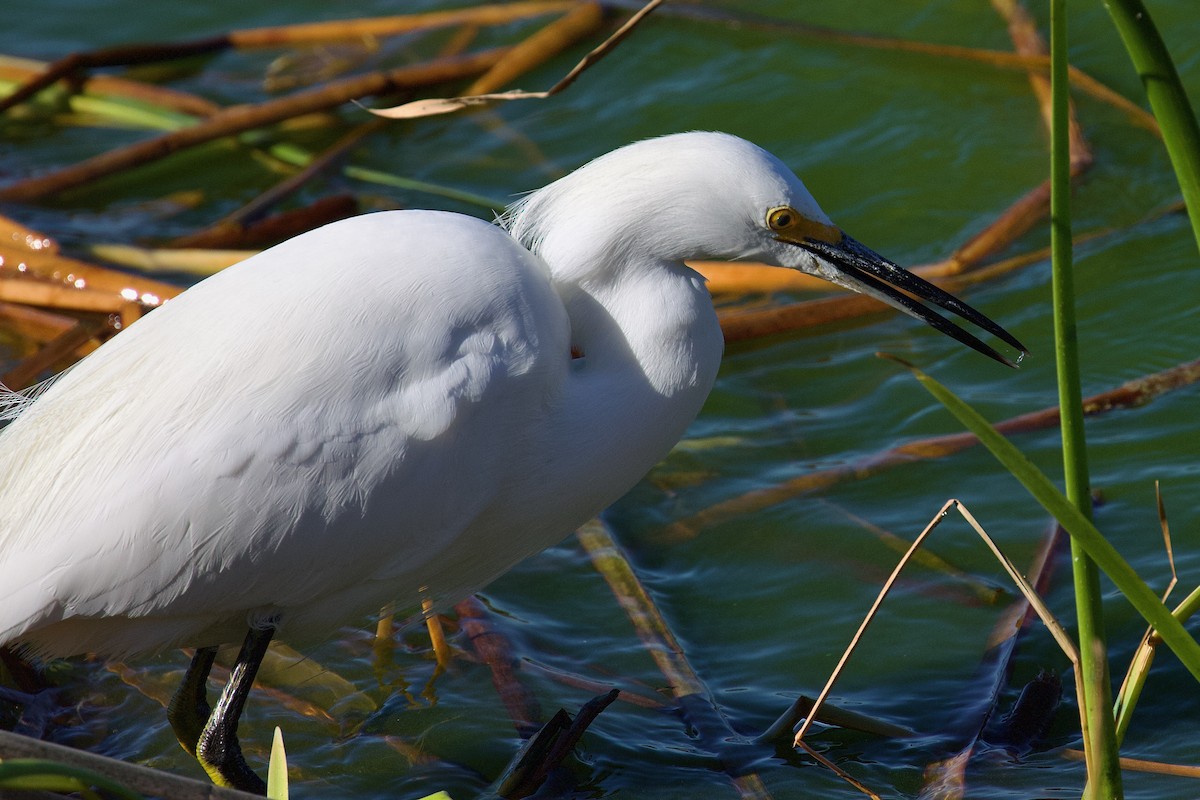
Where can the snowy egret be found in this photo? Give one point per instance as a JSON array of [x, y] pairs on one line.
[[387, 409]]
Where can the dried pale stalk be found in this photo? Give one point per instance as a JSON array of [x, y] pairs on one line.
[[946, 778], [196, 261], [1143, 656], [1056, 629], [446, 105], [866, 623], [1142, 765], [649, 622], [1031, 596]]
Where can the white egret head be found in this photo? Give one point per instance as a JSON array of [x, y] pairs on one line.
[[704, 195]]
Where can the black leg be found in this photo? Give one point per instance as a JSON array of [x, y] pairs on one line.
[[217, 749], [188, 711]]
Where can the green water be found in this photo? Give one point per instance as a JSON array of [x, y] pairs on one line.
[[912, 154]]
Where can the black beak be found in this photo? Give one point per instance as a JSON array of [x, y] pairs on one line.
[[868, 272]]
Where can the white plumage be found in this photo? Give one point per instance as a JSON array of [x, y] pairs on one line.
[[387, 408]]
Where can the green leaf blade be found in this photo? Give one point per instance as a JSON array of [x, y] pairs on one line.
[[1074, 522]]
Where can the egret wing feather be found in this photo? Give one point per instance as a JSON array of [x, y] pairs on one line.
[[336, 424], [15, 401]]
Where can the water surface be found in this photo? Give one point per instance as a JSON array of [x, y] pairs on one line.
[[912, 154]]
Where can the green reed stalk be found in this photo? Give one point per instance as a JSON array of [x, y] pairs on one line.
[[1126, 579], [1168, 100], [1100, 742]]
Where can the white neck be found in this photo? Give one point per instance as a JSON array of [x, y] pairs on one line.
[[650, 347]]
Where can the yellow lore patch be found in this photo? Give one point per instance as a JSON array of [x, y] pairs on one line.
[[790, 225]]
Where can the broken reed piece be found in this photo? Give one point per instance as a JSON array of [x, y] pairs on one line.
[[294, 681], [741, 324], [21, 239], [802, 706], [1028, 210], [238, 119], [646, 698], [190, 260], [33, 273], [316, 684], [652, 628], [132, 777]]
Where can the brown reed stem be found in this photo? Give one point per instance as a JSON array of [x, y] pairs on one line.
[[239, 119], [22, 69], [566, 31]]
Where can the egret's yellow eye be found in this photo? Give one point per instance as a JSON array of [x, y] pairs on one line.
[[781, 218], [790, 225]]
